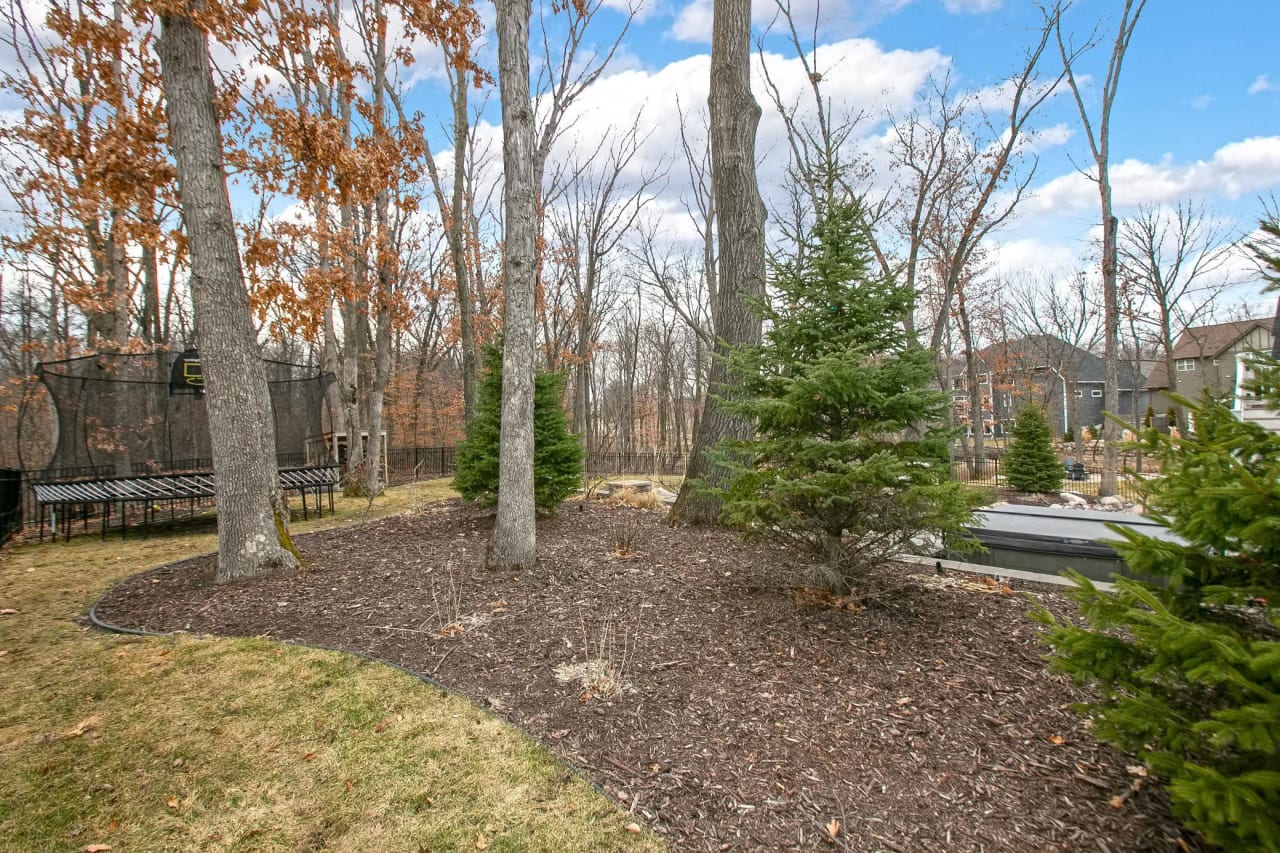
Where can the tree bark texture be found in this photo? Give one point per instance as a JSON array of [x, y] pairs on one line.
[[740, 225], [252, 516], [1110, 341], [514, 543]]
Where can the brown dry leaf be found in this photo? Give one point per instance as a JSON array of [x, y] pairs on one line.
[[990, 582], [481, 842], [633, 828], [1005, 589], [833, 830], [1117, 802], [113, 825], [903, 701], [95, 848], [386, 721], [351, 786], [82, 728], [164, 652], [172, 802], [3, 652], [310, 756], [8, 611], [1137, 770], [1057, 740]]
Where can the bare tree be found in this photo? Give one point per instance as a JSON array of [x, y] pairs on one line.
[[1173, 261], [514, 542], [599, 209], [1098, 132], [1061, 308], [740, 218], [253, 520]]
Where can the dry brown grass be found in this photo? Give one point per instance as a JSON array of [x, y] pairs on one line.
[[247, 744]]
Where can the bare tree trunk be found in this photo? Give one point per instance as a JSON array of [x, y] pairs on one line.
[[514, 543], [253, 519], [1099, 138], [1110, 347], [740, 222]]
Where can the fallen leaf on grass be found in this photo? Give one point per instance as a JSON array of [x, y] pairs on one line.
[[82, 728], [633, 828], [309, 756], [172, 803], [3, 652], [351, 786], [386, 721], [481, 842], [8, 611], [95, 848]]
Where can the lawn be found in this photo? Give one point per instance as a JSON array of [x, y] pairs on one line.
[[112, 742]]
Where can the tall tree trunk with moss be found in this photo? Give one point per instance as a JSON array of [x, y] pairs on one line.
[[253, 526], [740, 223], [514, 542]]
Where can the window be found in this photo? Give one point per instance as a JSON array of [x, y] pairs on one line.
[[1079, 393], [1185, 365], [1096, 392]]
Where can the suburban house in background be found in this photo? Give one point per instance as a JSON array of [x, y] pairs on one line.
[[1066, 380], [1208, 358]]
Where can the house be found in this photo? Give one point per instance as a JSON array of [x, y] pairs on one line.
[[1245, 405], [1205, 359], [1067, 381]]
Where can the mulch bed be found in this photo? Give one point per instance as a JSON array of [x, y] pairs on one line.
[[753, 714]]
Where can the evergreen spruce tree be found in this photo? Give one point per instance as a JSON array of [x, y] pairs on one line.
[[1188, 670], [851, 458], [557, 453], [1031, 465]]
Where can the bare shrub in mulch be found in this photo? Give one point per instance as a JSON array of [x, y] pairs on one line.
[[705, 690]]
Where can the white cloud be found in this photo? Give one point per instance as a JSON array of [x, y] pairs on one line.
[[1236, 169], [1202, 102], [971, 7], [642, 9], [693, 22], [1263, 83], [1029, 256]]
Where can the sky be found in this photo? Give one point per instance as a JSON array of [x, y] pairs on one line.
[[1196, 120]]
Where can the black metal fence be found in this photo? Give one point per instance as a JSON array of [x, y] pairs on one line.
[[10, 503], [407, 464], [1082, 479]]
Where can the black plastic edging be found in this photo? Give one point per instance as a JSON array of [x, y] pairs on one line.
[[103, 625]]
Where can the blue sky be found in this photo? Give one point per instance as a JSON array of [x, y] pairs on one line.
[[1197, 119]]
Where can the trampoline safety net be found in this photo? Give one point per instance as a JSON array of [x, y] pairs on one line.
[[119, 415]]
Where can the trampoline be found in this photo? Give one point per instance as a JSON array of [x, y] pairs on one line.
[[132, 429]]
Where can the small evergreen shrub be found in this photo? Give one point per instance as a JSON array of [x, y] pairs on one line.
[[557, 453], [851, 456], [1188, 672], [1031, 465]]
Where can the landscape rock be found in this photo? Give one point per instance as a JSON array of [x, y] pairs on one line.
[[1073, 500]]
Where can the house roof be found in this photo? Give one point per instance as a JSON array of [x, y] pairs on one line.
[[1204, 342], [1038, 352]]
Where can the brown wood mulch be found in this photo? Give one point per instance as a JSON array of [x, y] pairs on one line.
[[728, 708]]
